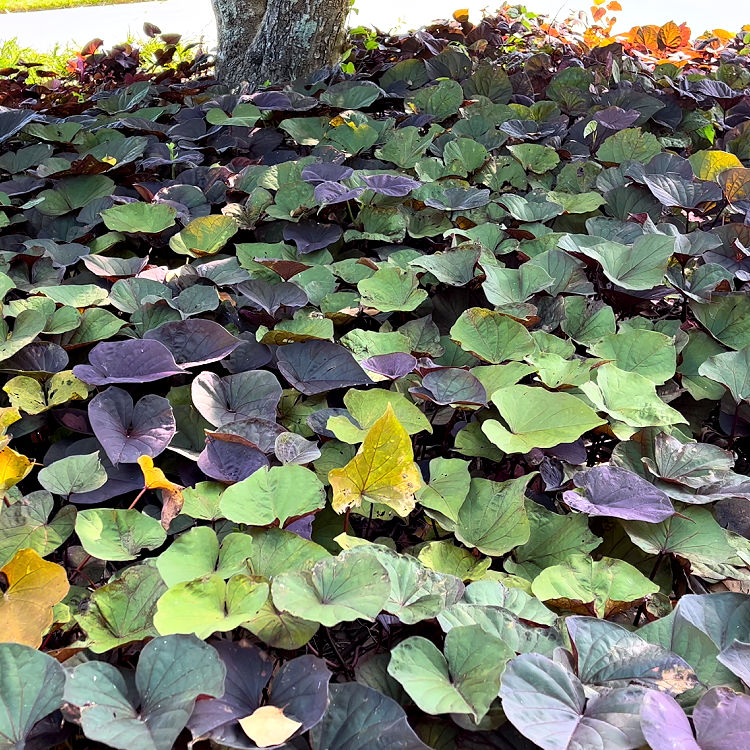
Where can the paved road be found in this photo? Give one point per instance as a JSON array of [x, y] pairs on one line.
[[194, 19]]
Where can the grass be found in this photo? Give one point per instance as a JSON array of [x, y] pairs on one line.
[[21, 6]]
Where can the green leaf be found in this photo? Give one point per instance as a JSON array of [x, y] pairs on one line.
[[204, 235], [515, 600], [417, 593], [29, 324], [537, 418], [512, 286], [504, 624], [210, 604], [280, 629], [368, 406], [577, 203], [698, 349], [391, 289], [630, 398], [196, 553], [122, 611], [25, 525], [274, 551], [491, 336], [726, 318], [454, 267], [640, 266], [202, 501], [73, 474], [731, 369], [534, 157], [150, 218], [149, 714], [405, 146], [446, 557], [464, 155], [553, 539], [697, 629], [448, 487], [587, 321], [110, 534], [596, 587], [275, 494], [441, 100], [31, 687], [693, 535], [648, 353], [71, 193], [336, 589], [492, 518], [244, 115], [631, 144], [464, 681]]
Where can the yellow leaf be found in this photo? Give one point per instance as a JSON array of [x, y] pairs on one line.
[[13, 468], [735, 183], [267, 726], [8, 415], [383, 471], [708, 165], [34, 587], [171, 495], [154, 477]]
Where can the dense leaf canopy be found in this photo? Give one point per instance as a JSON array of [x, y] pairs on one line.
[[401, 407]]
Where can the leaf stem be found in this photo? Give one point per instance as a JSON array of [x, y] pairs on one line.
[[642, 609], [137, 498]]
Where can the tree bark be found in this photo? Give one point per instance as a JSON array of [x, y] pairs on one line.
[[277, 40]]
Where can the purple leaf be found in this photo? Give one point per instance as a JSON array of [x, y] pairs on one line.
[[736, 657], [272, 297], [335, 192], [38, 356], [326, 172], [283, 101], [195, 341], [616, 118], [230, 460], [310, 235], [722, 720], [319, 366], [249, 355], [129, 361], [300, 687], [255, 393], [302, 527], [391, 366], [618, 493], [664, 723], [451, 385], [127, 432], [394, 186], [262, 433], [571, 453]]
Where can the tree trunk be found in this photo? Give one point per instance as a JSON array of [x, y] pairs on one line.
[[277, 40]]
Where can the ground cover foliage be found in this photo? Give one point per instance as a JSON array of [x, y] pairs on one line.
[[405, 407]]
